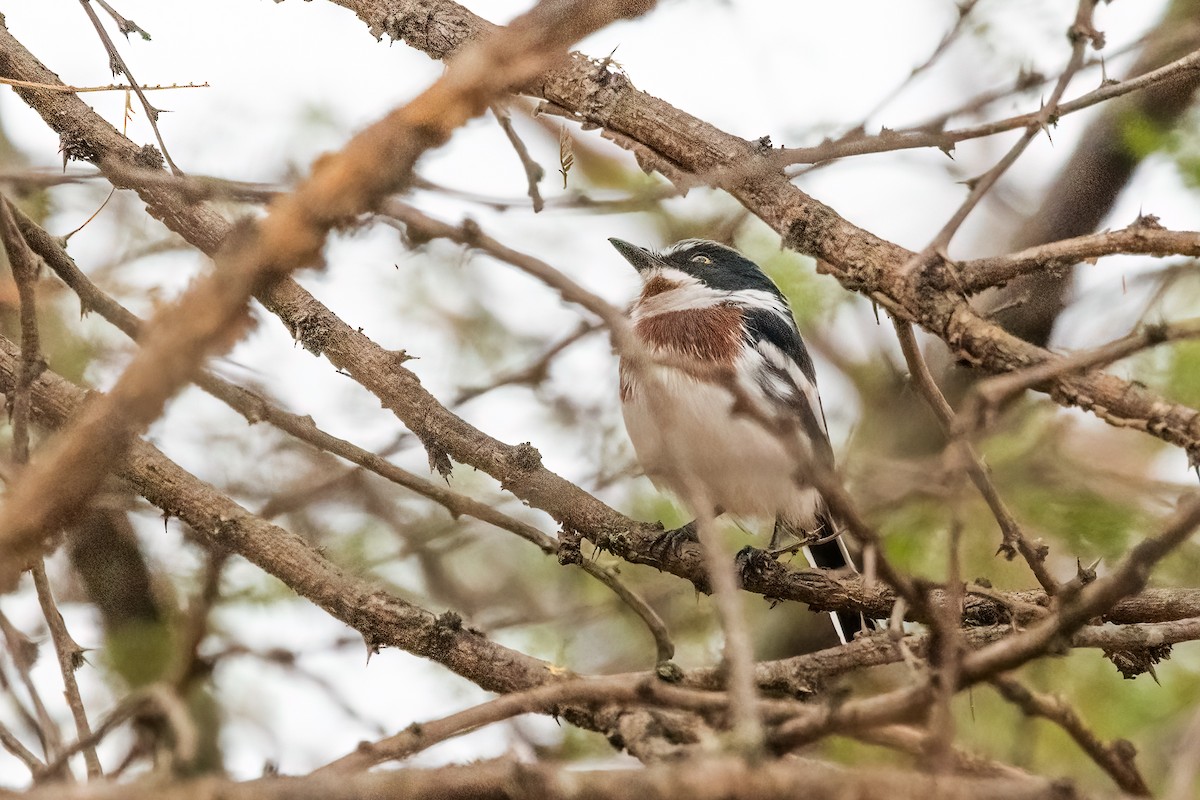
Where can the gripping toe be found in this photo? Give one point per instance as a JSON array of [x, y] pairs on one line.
[[669, 544]]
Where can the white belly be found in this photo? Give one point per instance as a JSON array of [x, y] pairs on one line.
[[685, 436]]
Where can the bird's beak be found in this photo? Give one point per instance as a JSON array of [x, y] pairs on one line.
[[641, 258]]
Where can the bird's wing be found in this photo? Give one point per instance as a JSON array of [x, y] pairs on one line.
[[786, 374]]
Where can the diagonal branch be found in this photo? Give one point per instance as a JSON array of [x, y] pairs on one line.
[[713, 778], [1143, 236], [212, 314], [1013, 540], [117, 63], [383, 620], [591, 93], [517, 467], [1116, 758]]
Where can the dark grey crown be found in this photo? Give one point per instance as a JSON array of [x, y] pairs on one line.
[[717, 266]]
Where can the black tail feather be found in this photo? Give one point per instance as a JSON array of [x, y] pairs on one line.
[[833, 555], [825, 553]]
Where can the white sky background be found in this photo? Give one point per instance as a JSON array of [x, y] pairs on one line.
[[793, 70]]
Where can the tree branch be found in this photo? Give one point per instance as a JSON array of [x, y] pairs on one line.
[[518, 466], [591, 93], [211, 314], [1143, 236], [1116, 758], [704, 779], [383, 620]]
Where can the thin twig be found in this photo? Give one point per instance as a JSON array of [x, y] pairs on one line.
[[963, 12], [23, 652], [124, 25], [70, 658], [927, 135], [10, 742], [1013, 539], [533, 373], [470, 234], [18, 704], [1026, 82], [1081, 33], [664, 648], [112, 87], [117, 64], [1115, 758], [24, 271], [533, 170]]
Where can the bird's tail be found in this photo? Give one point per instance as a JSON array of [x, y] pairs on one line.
[[830, 554]]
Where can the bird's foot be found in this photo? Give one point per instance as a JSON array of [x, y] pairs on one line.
[[668, 545], [752, 563]]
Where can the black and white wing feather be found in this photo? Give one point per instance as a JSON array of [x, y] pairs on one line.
[[787, 375]]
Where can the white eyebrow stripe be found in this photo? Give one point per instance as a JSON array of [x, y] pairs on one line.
[[759, 298]]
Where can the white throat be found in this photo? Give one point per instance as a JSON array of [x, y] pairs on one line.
[[688, 293]]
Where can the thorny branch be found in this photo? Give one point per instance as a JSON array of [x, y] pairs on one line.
[[117, 64], [1014, 540], [1082, 34], [205, 319], [1116, 758], [929, 136], [930, 297], [672, 141]]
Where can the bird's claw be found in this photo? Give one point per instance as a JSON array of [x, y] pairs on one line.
[[668, 545], [750, 561]]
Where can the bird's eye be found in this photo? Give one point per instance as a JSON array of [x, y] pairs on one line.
[[701, 260]]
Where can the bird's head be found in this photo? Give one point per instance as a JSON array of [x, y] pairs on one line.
[[695, 263]]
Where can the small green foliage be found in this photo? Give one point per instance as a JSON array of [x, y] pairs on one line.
[[1143, 137], [1091, 524], [141, 652], [1183, 373], [907, 532]]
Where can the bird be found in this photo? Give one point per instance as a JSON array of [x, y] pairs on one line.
[[706, 311]]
